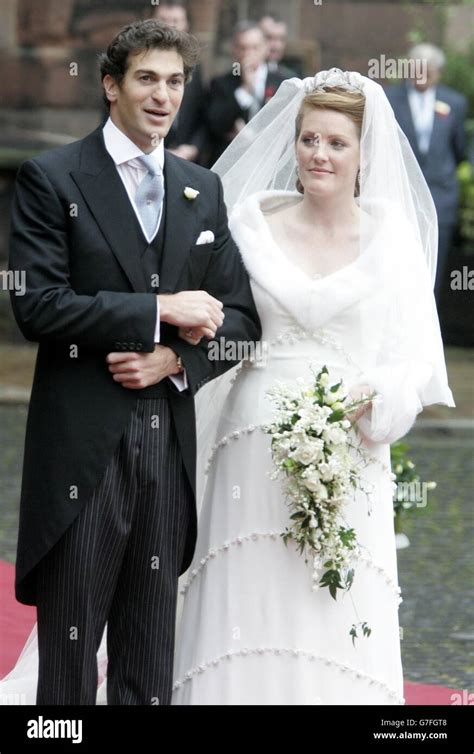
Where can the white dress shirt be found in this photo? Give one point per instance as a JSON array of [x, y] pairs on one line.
[[124, 153], [422, 106]]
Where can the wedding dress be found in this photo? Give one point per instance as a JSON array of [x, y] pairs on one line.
[[252, 631]]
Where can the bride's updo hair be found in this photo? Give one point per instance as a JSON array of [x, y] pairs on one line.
[[333, 98]]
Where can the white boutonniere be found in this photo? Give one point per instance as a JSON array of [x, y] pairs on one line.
[[442, 108], [190, 193]]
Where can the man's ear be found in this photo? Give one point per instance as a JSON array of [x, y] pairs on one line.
[[110, 87]]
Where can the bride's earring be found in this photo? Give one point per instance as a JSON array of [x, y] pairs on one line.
[[357, 184], [299, 185]]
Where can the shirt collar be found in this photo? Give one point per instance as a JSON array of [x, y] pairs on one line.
[[122, 149], [262, 71], [429, 93]]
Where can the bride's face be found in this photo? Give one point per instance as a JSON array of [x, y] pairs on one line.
[[327, 152]]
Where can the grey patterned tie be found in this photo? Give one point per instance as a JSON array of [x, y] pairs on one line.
[[149, 195]]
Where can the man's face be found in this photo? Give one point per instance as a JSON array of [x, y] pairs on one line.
[[424, 82], [145, 104], [173, 16], [250, 48], [276, 34]]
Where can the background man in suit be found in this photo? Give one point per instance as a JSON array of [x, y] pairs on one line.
[[276, 34], [187, 136], [236, 96], [107, 518], [432, 117]]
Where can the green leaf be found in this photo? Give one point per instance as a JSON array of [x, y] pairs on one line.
[[353, 633], [349, 578]]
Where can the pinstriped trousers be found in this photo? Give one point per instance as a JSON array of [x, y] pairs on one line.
[[118, 563]]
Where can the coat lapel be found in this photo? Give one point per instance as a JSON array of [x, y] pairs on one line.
[[408, 125], [181, 221], [438, 125], [107, 199], [272, 83]]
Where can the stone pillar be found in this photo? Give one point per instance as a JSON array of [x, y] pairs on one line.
[[8, 27], [204, 15]]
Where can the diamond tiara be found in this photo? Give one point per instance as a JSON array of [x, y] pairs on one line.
[[350, 80]]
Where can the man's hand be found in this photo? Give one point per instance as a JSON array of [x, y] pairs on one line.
[[248, 72], [192, 336], [139, 370], [192, 309]]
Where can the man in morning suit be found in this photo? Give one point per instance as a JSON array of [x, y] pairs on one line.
[[123, 243], [432, 117], [236, 96]]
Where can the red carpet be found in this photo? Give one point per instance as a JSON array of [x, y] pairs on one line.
[[422, 693], [16, 622]]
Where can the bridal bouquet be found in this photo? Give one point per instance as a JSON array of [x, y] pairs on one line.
[[311, 445]]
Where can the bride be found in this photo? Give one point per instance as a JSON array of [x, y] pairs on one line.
[[342, 271]]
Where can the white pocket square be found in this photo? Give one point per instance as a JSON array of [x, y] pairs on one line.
[[207, 236]]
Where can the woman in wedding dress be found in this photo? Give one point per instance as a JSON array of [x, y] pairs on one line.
[[341, 277], [342, 271]]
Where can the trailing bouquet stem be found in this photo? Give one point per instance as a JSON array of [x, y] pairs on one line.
[[313, 449]]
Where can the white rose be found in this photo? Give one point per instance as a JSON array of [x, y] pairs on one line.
[[190, 193], [334, 435], [326, 471], [309, 451], [313, 483]]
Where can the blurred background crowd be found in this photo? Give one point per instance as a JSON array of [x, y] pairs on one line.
[[50, 91]]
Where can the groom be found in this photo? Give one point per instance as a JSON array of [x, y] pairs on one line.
[[122, 243]]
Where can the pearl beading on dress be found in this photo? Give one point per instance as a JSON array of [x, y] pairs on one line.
[[274, 535], [291, 335], [235, 435], [311, 656], [296, 333]]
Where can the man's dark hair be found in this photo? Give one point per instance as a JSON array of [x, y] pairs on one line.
[[242, 27], [175, 4], [274, 16], [142, 36]]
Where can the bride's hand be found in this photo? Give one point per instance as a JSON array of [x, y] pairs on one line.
[[193, 335], [356, 392]]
